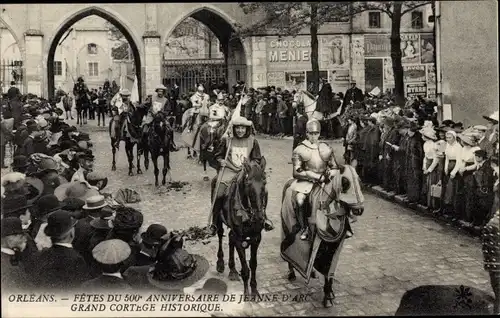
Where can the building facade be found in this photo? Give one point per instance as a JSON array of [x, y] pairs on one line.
[[355, 49]]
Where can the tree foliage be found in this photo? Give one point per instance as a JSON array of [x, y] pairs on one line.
[[292, 18], [190, 30]]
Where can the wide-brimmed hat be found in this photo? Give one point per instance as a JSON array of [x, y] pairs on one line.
[[94, 177], [73, 204], [153, 234], [59, 223], [47, 204], [76, 189], [111, 252], [45, 164], [180, 269], [241, 121], [34, 187], [13, 203], [468, 139], [481, 153], [493, 117], [160, 87], [125, 92], [95, 202], [11, 226], [20, 162], [480, 128], [127, 218]]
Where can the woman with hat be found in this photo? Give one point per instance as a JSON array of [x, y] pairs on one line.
[[388, 136], [101, 226], [429, 165], [483, 183], [414, 155], [109, 256], [451, 179], [400, 158], [150, 244], [466, 163]]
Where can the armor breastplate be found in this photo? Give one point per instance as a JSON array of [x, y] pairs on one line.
[[311, 157], [216, 112]]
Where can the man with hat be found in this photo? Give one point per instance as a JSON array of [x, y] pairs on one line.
[[484, 142], [371, 151], [484, 182], [125, 108], [27, 148], [6, 135], [311, 159], [151, 240], [17, 205], [199, 100], [44, 206], [15, 272], [61, 267], [110, 256], [159, 103], [353, 94]]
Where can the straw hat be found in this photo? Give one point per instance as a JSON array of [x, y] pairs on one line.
[[160, 87], [95, 202], [468, 139], [125, 92]]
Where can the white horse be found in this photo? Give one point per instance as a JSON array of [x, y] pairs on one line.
[[309, 102]]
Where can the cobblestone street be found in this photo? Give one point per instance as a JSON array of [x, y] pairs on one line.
[[393, 249]]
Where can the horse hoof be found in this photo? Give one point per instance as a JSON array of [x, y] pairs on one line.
[[291, 276], [220, 266], [164, 182], [233, 276], [328, 301], [139, 171], [113, 168], [206, 178], [130, 173]]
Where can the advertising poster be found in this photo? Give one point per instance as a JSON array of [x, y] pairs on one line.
[[388, 74], [295, 81], [410, 47], [431, 92], [426, 48], [377, 45], [431, 75], [413, 90], [309, 77], [358, 50], [335, 51], [276, 79], [339, 79], [414, 73]]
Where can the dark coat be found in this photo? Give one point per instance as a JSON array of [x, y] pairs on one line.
[[14, 277], [353, 94], [13, 93], [413, 174], [27, 148], [61, 268], [325, 99], [371, 147], [16, 107], [300, 130], [142, 259], [106, 283], [137, 277]]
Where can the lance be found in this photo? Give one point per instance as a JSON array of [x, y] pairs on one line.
[[221, 173]]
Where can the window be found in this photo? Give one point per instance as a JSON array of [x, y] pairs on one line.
[[92, 49], [93, 69], [417, 20], [374, 19], [58, 68], [238, 75]]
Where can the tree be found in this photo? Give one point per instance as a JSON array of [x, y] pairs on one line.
[[291, 18], [193, 30], [122, 50]]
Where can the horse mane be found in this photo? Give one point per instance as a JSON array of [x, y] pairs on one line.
[[308, 94]]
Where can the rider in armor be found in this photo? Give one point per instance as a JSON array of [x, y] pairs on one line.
[[311, 159], [243, 146], [218, 110], [198, 100], [159, 103], [124, 108]]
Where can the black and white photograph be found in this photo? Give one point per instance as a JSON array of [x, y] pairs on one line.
[[249, 159]]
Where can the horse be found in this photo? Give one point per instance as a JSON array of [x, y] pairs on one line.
[[190, 130], [329, 205], [130, 133], [159, 138], [82, 107], [210, 136], [241, 209]]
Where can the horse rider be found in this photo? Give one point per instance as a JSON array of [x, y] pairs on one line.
[[243, 146], [159, 103], [125, 108], [198, 100], [218, 110], [311, 159], [81, 91]]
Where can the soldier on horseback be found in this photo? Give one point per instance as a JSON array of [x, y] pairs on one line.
[[242, 146], [311, 159], [198, 100], [218, 111], [125, 108]]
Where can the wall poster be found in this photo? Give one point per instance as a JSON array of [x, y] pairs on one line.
[[339, 79], [276, 79], [410, 47], [388, 74], [431, 93], [431, 75], [334, 51], [414, 73], [413, 90], [295, 81], [427, 48]]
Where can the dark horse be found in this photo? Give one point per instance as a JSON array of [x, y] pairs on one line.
[[159, 143], [210, 136], [330, 205], [245, 194], [82, 107], [130, 133]]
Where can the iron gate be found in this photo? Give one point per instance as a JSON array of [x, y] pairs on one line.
[[11, 70], [188, 73]]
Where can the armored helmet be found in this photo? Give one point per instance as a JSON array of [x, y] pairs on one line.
[[313, 125]]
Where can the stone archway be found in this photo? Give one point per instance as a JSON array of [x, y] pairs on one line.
[[236, 52], [77, 17]]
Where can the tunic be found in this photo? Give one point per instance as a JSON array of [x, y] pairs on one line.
[[241, 149]]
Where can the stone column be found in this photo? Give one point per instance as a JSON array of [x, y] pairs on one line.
[[152, 63], [259, 62], [33, 66], [151, 17]]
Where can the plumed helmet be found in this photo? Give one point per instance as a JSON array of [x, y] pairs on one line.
[[313, 125]]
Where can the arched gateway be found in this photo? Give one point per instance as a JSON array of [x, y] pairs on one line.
[[144, 25]]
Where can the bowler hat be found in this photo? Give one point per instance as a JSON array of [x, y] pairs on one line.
[[59, 223], [153, 234], [481, 153], [111, 252], [20, 162], [14, 203], [47, 204], [11, 226]]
